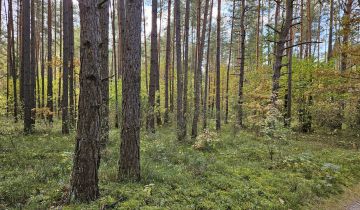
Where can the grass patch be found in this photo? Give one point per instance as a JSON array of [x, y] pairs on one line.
[[233, 172]]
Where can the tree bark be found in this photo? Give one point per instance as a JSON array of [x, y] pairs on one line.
[[228, 66], [180, 112], [71, 67], [280, 42], [198, 71], [115, 68], [331, 23], [66, 65], [186, 59], [218, 42], [241, 64], [104, 74], [207, 80], [84, 182], [33, 62], [129, 163], [167, 62], [49, 65], [154, 69]]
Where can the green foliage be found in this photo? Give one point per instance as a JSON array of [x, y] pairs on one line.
[[232, 171]]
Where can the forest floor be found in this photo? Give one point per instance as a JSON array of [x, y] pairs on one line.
[[231, 171]]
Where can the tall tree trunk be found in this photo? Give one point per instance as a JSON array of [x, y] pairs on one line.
[[11, 58], [49, 67], [84, 181], [66, 65], [71, 67], [257, 44], [145, 49], [167, 62], [207, 80], [33, 62], [186, 59], [180, 112], [280, 42], [198, 71], [104, 74], [115, 68], [241, 64], [331, 23], [309, 29], [61, 74], [218, 42], [288, 97], [228, 66], [42, 56], [129, 163], [27, 89], [154, 69], [122, 27], [172, 77]]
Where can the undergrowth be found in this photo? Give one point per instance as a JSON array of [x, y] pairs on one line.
[[217, 171]]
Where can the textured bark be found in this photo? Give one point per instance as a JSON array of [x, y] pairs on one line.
[[49, 67], [241, 64], [145, 49], [154, 69], [167, 63], [84, 182], [33, 62], [218, 42], [121, 24], [71, 67], [104, 74], [66, 65], [207, 80], [115, 66], [198, 72], [129, 163], [288, 96], [59, 99], [179, 112], [11, 57], [228, 66], [280, 42], [186, 59], [331, 25], [42, 70]]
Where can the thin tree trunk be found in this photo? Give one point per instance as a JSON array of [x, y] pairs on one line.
[[186, 59], [49, 68], [283, 34], [71, 67], [11, 55], [167, 63], [129, 164], [207, 80], [66, 65], [33, 62], [115, 68], [145, 50], [104, 74], [228, 66], [198, 71], [180, 112], [288, 100], [241, 64], [154, 69], [257, 44], [218, 42], [121, 24], [331, 23], [84, 181]]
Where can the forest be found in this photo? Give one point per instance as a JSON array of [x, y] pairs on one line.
[[180, 104]]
